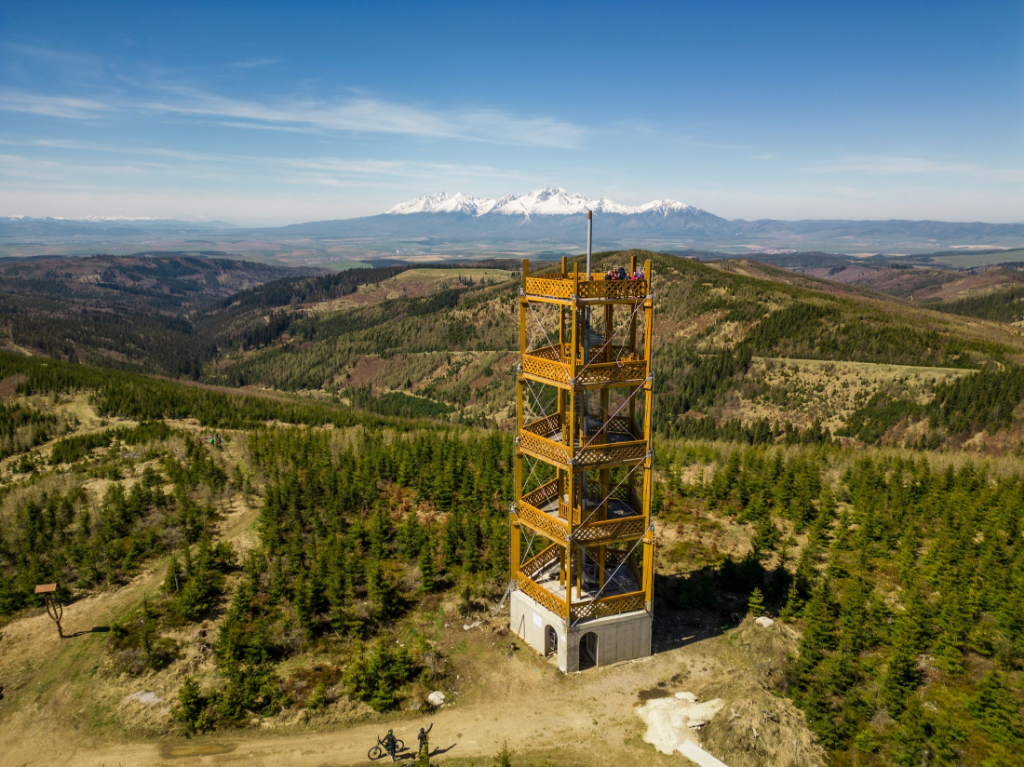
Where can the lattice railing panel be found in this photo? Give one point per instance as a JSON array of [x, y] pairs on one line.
[[613, 453], [599, 608], [542, 494], [544, 448], [562, 287], [611, 530], [613, 372], [549, 287], [614, 557], [541, 595], [597, 492], [533, 566], [544, 426], [620, 424], [541, 522], [546, 353], [542, 368]]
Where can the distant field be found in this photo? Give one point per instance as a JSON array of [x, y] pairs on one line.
[[440, 275], [802, 390], [414, 283], [343, 264], [967, 260]]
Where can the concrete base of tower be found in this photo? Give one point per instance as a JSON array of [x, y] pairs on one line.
[[589, 643]]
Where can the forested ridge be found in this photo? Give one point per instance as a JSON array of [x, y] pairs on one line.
[[447, 351]]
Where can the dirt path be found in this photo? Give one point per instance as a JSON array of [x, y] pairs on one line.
[[585, 719], [587, 714]]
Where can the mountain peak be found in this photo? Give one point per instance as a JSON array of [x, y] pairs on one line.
[[547, 201]]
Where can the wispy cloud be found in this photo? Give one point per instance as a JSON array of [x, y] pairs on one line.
[[253, 63], [391, 167], [71, 61], [888, 165], [369, 115], [161, 162], [362, 166], [348, 115], [65, 107]]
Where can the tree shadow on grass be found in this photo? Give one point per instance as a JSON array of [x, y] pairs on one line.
[[93, 630], [691, 607]]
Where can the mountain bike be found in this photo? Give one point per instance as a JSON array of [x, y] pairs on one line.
[[380, 749]]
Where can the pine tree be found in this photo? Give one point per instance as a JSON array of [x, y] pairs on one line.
[[428, 567], [953, 626], [755, 605], [901, 676], [450, 541], [997, 711], [173, 579], [384, 598], [909, 560], [819, 630], [912, 747], [793, 605], [410, 535], [766, 538], [192, 708]]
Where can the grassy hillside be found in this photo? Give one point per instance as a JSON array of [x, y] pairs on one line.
[[745, 350]]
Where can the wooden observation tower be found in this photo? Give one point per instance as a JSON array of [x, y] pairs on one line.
[[581, 534]]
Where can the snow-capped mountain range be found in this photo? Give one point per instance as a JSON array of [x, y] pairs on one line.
[[539, 202], [550, 216], [543, 214]]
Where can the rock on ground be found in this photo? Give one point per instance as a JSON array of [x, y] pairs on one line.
[[145, 697], [671, 721]]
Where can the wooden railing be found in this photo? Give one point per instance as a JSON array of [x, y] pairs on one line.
[[542, 494], [533, 566], [550, 424], [541, 367], [556, 286], [610, 530], [613, 372], [540, 594], [545, 363], [592, 457], [597, 456], [544, 448], [599, 608], [543, 523], [561, 287]]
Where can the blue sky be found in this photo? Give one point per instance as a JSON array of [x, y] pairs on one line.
[[262, 113]]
